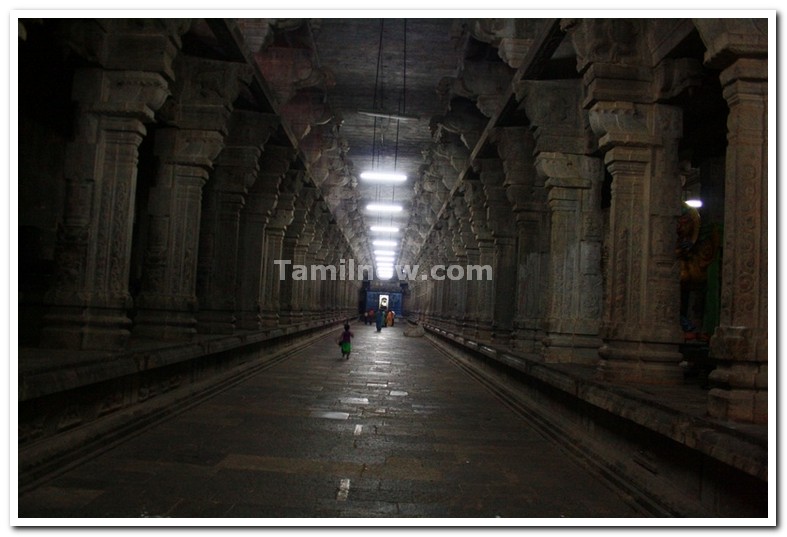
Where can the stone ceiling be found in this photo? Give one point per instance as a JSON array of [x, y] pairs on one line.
[[445, 75]]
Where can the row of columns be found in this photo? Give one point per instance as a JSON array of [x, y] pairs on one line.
[[571, 287], [224, 205]]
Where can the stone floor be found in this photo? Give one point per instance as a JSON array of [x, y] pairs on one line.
[[395, 431]]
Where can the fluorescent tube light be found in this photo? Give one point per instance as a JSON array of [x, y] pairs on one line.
[[385, 229], [388, 115], [383, 208], [384, 176]]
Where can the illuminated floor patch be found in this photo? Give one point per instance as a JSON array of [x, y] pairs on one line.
[[354, 400], [330, 415], [344, 490]]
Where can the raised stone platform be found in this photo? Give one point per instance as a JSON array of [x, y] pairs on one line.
[[656, 440], [72, 403]]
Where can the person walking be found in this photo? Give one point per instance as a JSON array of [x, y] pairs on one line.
[[380, 319], [345, 342]]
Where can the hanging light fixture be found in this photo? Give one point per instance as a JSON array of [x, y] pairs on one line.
[[383, 208], [384, 176], [385, 229], [388, 115]]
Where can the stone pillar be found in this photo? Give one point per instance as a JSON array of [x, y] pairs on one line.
[[640, 330], [446, 258], [270, 297], [484, 288], [429, 259], [459, 288], [301, 287], [639, 140], [740, 343], [525, 191], [253, 290], [500, 218], [204, 93], [89, 299], [472, 255], [294, 250], [236, 170], [312, 306], [573, 185]]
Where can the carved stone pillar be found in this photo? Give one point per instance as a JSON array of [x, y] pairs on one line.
[[525, 191], [573, 184], [272, 281], [573, 291], [313, 304], [500, 218], [204, 94], [640, 330], [295, 251], [89, 299], [236, 170], [302, 287], [253, 260], [458, 305], [740, 343], [485, 288], [639, 139], [429, 260], [472, 255]]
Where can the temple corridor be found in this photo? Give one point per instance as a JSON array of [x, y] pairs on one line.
[[397, 430], [571, 219]]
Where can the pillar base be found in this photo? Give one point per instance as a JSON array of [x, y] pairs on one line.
[[484, 331], [216, 322], [249, 321], [570, 349], [165, 325], [269, 319], [85, 329], [290, 318], [646, 366], [746, 406]]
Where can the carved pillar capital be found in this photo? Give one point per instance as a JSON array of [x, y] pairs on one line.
[[115, 43], [632, 125], [554, 108], [567, 170], [726, 40], [613, 57], [131, 94], [203, 93]]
